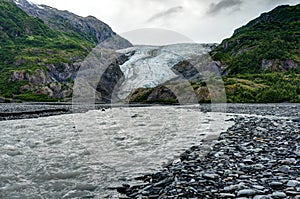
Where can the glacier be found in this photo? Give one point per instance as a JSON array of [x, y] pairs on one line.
[[151, 66]]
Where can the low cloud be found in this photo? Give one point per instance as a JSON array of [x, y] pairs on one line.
[[215, 8], [166, 13]]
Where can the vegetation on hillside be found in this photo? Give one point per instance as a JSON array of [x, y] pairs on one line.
[[263, 88], [27, 44], [272, 36], [243, 88]]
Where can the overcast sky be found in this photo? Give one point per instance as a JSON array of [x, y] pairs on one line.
[[203, 21]]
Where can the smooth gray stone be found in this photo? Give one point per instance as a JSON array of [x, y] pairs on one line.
[[278, 194], [227, 195], [293, 183], [246, 192]]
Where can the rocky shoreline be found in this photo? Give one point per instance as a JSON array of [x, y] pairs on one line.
[[258, 157], [12, 111], [15, 111], [26, 111]]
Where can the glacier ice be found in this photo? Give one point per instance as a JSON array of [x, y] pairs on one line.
[[152, 65]]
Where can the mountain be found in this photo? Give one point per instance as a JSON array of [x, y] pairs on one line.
[[39, 63], [270, 42], [89, 28], [50, 55], [260, 63]]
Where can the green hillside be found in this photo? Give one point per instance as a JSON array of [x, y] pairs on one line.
[[27, 44], [268, 43]]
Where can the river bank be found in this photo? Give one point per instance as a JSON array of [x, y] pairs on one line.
[[13, 111], [258, 157]]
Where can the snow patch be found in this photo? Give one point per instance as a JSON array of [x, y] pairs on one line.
[[17, 2], [40, 6], [23, 3], [31, 3]]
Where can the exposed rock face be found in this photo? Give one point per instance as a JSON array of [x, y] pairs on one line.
[[43, 82], [203, 94], [111, 79], [187, 70], [38, 77], [55, 81], [64, 73], [90, 28], [99, 77], [57, 84], [162, 94], [20, 75], [278, 65]]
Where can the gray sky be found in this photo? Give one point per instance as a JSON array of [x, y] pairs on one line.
[[203, 21]]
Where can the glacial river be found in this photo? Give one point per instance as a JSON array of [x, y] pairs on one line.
[[81, 155]]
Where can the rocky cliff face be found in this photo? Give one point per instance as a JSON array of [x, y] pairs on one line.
[[50, 82], [90, 28], [111, 79], [278, 65]]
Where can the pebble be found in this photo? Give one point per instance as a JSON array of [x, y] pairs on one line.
[[246, 192], [258, 187], [279, 194], [276, 184], [233, 187], [293, 183], [210, 176], [227, 195], [262, 197]]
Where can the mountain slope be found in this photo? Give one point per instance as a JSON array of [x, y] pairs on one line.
[[89, 28], [38, 63], [270, 42]]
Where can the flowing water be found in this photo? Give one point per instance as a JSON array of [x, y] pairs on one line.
[[81, 155]]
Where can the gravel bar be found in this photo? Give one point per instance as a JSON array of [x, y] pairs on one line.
[[257, 158], [25, 111]]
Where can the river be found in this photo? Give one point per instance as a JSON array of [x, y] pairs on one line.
[[83, 154]]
